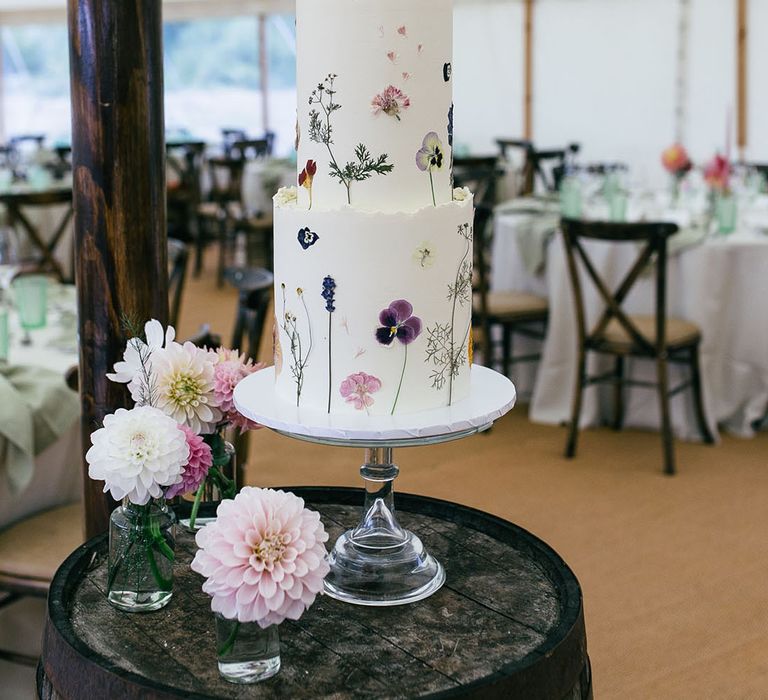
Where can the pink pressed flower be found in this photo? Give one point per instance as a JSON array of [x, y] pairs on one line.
[[392, 101], [357, 389], [264, 557], [200, 461]]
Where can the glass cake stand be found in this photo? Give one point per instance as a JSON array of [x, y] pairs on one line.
[[379, 562]]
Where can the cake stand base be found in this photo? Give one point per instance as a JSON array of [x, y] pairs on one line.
[[379, 562]]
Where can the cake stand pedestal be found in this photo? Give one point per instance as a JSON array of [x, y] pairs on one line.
[[379, 562]]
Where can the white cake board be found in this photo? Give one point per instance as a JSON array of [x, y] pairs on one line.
[[491, 396]]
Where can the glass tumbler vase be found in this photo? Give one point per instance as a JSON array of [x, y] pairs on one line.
[[141, 554], [725, 211], [246, 652]]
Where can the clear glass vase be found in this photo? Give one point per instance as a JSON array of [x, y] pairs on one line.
[[246, 652], [141, 554], [220, 483]]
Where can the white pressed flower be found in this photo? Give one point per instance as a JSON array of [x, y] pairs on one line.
[[184, 378], [460, 194], [286, 196], [138, 453]]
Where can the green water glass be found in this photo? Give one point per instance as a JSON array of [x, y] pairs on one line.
[[617, 205], [31, 295], [725, 211], [570, 199]]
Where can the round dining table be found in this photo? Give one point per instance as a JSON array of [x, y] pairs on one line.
[[714, 280]]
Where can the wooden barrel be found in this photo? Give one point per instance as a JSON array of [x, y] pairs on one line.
[[509, 623]]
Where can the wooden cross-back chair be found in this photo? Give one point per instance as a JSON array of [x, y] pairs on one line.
[[480, 174], [18, 205], [185, 159], [249, 149], [511, 312], [548, 166], [656, 337]]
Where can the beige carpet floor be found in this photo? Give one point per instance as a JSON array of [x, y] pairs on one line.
[[673, 570]]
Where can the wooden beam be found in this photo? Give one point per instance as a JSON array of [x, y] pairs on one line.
[[742, 102], [264, 71], [118, 150], [528, 71]]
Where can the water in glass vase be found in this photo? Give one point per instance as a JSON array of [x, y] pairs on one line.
[[246, 652], [141, 554]]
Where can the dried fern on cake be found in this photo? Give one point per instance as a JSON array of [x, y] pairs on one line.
[[444, 350], [321, 131]]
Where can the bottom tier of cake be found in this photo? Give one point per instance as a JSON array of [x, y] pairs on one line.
[[373, 310]]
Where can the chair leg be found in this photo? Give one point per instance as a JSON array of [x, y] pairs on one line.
[[573, 431], [618, 393], [667, 437], [506, 358], [223, 243], [698, 398], [199, 245]]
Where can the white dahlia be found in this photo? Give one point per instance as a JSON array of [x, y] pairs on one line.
[[138, 453], [129, 369], [263, 557], [184, 386]]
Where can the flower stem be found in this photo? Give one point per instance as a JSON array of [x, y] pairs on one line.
[[163, 583], [196, 505], [330, 379], [432, 187], [400, 385], [225, 648]]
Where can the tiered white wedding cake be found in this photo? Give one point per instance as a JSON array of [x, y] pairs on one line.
[[373, 250]]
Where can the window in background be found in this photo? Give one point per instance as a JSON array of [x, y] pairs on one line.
[[36, 81], [213, 81]]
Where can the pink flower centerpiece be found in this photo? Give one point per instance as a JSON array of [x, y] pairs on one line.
[[231, 368], [717, 174], [264, 557], [675, 160]]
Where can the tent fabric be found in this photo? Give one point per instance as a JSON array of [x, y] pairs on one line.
[[37, 11]]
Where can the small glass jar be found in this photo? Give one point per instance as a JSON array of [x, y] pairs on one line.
[[221, 482], [141, 554], [246, 652]]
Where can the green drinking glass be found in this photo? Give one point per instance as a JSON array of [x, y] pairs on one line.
[[618, 206], [31, 295], [725, 211]]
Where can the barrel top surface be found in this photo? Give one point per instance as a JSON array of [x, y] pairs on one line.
[[508, 621]]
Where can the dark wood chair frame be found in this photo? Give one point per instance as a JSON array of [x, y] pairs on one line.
[[655, 237], [535, 161], [178, 256], [533, 325], [16, 201]]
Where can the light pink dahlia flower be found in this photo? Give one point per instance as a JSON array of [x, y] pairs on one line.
[[231, 368], [200, 461], [263, 557]]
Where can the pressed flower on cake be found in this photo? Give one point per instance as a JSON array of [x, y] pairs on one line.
[[263, 558], [430, 157], [391, 102], [398, 322], [357, 389]]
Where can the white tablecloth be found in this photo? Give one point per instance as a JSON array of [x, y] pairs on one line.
[[58, 470], [720, 285]]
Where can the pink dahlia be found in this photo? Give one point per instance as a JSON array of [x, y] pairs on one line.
[[200, 461], [392, 101], [357, 389], [230, 369], [263, 557]]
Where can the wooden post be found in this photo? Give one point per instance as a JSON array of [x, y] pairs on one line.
[[742, 103], [528, 71], [118, 150], [264, 72]]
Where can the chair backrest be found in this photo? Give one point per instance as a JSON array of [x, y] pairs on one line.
[[480, 175], [249, 149], [226, 179], [252, 313], [546, 165], [652, 238], [178, 255]]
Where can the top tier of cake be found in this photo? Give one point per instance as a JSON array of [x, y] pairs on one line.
[[375, 111]]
